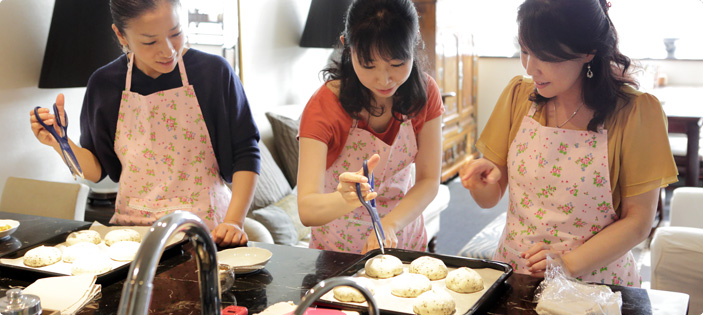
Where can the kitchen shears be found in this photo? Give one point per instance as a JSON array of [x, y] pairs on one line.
[[62, 138], [371, 208]]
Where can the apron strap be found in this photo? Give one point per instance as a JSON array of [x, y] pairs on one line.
[[182, 68], [130, 65], [533, 110], [128, 80]]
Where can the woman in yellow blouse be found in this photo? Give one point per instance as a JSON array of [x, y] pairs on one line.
[[583, 152]]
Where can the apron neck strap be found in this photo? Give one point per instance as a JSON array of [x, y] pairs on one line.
[[130, 65]]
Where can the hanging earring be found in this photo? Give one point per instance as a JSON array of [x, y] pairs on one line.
[[589, 73]]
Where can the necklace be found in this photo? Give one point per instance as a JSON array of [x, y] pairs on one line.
[[554, 106]]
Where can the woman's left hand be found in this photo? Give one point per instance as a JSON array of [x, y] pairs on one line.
[[229, 234], [372, 242], [536, 258]]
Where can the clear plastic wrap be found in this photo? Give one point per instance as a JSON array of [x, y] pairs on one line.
[[560, 294]]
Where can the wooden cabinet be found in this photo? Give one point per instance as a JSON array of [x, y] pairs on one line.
[[452, 62]]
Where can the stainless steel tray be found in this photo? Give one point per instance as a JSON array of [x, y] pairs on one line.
[[503, 270]]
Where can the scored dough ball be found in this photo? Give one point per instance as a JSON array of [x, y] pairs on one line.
[[123, 251], [434, 302], [42, 256], [410, 285], [122, 235], [71, 253], [349, 294], [91, 265], [464, 280], [383, 266], [89, 236], [431, 267]]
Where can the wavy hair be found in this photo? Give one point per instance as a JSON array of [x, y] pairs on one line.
[[559, 30], [391, 29]]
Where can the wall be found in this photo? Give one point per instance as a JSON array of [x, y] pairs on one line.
[[25, 26], [276, 72]]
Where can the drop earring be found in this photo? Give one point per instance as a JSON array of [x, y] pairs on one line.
[[589, 73]]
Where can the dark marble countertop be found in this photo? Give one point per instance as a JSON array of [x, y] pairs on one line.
[[289, 274]]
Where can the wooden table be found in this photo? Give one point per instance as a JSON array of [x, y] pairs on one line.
[[684, 111]]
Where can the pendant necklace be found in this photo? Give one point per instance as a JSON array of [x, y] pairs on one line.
[[554, 106]]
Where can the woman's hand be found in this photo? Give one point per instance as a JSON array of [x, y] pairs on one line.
[[229, 235], [49, 119], [348, 180], [372, 241], [536, 258], [479, 173]]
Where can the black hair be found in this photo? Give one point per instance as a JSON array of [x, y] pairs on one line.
[[124, 10], [391, 29], [559, 30]]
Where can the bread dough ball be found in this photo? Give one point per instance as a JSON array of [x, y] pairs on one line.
[[91, 265], [122, 235], [123, 251], [410, 285], [71, 253], [464, 280], [89, 236], [42, 256], [383, 266], [350, 294], [434, 302], [431, 267]]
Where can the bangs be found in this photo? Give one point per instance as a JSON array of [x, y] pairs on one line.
[[389, 40], [538, 33]]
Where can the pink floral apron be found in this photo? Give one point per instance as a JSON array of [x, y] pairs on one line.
[[560, 195], [350, 232], [167, 159]]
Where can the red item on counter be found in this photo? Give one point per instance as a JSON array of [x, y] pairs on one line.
[[235, 310]]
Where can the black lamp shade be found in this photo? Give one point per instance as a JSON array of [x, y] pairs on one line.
[[80, 41], [325, 23]]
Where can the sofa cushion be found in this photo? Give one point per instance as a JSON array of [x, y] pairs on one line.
[[278, 223], [484, 244], [271, 185], [285, 133]]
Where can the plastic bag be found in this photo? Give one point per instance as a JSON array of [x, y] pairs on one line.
[[560, 294]]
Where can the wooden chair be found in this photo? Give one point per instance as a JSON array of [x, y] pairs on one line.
[[44, 198]]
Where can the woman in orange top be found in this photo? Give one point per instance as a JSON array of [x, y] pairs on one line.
[[378, 105]]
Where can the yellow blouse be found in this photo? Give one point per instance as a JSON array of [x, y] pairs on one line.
[[638, 144]]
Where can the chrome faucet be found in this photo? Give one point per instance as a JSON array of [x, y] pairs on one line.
[[325, 286], [136, 293]]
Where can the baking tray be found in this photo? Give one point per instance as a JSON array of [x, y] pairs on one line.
[[31, 274], [406, 256]]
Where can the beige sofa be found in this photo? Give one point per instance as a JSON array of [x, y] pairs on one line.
[[273, 216]]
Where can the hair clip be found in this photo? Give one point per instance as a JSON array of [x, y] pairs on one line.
[[609, 4]]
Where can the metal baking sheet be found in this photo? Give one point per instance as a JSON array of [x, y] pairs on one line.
[[494, 273], [12, 265]]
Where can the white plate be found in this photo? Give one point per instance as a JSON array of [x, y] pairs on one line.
[[244, 259], [14, 224]]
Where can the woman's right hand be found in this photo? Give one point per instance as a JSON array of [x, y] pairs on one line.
[[348, 181], [479, 173], [49, 119]]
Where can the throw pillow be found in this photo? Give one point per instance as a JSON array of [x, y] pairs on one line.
[[289, 204], [285, 133], [278, 223], [272, 184]]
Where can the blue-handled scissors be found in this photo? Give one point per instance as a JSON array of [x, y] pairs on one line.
[[62, 138], [371, 208]]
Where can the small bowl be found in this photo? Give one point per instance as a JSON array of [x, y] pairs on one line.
[[244, 259], [13, 227]]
